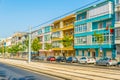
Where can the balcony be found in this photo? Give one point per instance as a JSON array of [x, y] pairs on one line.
[[68, 27], [56, 29], [65, 48], [68, 48], [117, 8], [56, 48], [56, 39]]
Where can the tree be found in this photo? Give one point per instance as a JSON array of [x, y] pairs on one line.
[[36, 46], [14, 49], [26, 43], [100, 40], [48, 46], [0, 49], [67, 41]]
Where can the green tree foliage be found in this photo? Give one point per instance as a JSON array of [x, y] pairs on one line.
[[67, 41], [15, 48], [48, 46], [36, 46], [26, 42], [22, 47], [0, 49], [99, 38]]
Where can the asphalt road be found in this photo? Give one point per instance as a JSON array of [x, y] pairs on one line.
[[8, 72]]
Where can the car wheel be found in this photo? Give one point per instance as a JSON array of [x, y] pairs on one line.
[[85, 62], [118, 65], [107, 64]]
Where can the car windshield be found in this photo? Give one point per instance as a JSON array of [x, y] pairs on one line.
[[70, 58], [83, 58], [58, 57]]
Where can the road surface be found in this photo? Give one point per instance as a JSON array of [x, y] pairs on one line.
[[14, 73]]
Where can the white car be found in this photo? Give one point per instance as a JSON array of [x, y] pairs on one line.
[[87, 60]]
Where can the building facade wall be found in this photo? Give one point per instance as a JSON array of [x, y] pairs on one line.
[[96, 20]]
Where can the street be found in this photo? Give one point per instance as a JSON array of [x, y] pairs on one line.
[[14, 73], [66, 72]]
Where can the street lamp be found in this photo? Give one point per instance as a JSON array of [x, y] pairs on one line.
[[4, 43], [29, 55]]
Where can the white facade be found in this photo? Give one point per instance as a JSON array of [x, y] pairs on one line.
[[99, 11], [117, 23], [8, 41]]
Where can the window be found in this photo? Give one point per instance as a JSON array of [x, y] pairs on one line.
[[40, 31], [117, 1], [101, 10], [117, 16], [67, 24], [55, 34], [66, 33], [109, 23], [117, 32], [56, 44], [106, 39], [71, 32], [79, 17], [100, 25], [84, 27], [80, 40], [81, 28], [47, 37]]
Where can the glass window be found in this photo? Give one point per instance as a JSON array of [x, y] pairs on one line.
[[100, 25], [109, 23], [117, 1], [84, 27], [117, 16], [106, 38], [117, 32], [80, 40], [81, 28]]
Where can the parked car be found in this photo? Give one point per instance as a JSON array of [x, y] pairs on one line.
[[41, 58], [61, 59], [106, 61], [118, 64], [72, 60], [33, 57], [51, 58], [87, 60]]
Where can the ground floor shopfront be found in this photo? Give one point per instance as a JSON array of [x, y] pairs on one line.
[[46, 53], [66, 53], [95, 51]]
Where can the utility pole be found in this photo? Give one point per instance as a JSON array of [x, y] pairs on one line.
[[29, 55]]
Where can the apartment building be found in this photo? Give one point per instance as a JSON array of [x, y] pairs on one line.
[[99, 18], [18, 37], [117, 26], [61, 28], [44, 36]]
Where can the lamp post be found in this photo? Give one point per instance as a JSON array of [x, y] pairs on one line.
[[4, 43], [29, 55]]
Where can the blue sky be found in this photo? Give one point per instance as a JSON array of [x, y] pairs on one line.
[[18, 15]]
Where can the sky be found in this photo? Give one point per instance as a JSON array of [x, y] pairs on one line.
[[19, 15]]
